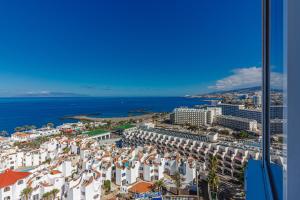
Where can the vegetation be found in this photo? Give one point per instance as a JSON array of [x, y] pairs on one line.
[[3, 133], [46, 196], [26, 193], [159, 185], [224, 132], [66, 150], [50, 195], [124, 126], [96, 132], [107, 186], [25, 128], [50, 125], [241, 176], [192, 127], [155, 118], [242, 135], [54, 192], [177, 180], [48, 161], [213, 179], [33, 144]]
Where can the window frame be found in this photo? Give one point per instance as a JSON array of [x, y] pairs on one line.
[[271, 191]]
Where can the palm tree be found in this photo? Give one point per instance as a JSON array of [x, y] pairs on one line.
[[241, 176], [26, 192], [18, 128], [46, 196], [107, 185], [33, 127], [4, 133], [50, 125], [177, 180], [26, 127], [192, 127], [213, 181], [159, 184], [109, 124], [54, 192], [213, 163]]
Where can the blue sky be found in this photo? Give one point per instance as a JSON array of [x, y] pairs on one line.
[[131, 47]]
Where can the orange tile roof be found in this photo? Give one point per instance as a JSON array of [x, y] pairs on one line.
[[10, 177], [141, 187], [53, 172], [20, 134]]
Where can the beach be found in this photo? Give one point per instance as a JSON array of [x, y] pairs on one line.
[[113, 119]]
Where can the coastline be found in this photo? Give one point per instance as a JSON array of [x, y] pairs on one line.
[[115, 119]]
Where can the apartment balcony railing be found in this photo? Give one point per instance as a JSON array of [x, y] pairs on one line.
[[228, 159]]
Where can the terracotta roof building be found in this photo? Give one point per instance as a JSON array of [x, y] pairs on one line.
[[10, 177]]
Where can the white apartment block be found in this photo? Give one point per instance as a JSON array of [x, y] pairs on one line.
[[194, 146], [277, 126], [195, 116], [257, 101], [12, 183], [236, 122], [276, 112]]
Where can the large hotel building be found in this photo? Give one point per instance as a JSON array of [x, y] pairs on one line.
[[276, 112], [236, 122], [195, 116]]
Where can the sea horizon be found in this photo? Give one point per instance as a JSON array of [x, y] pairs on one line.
[[38, 111]]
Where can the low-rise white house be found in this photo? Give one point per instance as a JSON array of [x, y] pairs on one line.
[[21, 137], [12, 183]]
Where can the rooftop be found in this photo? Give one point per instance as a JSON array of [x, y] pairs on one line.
[[10, 177], [141, 187]]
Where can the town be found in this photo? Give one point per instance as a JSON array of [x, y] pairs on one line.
[[191, 153]]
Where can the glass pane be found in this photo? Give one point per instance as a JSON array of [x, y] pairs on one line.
[[278, 95], [160, 97]]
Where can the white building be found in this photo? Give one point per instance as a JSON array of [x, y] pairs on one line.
[[21, 137], [12, 183], [257, 100], [195, 116], [236, 122]]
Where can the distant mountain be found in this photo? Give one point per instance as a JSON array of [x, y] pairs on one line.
[[242, 90], [51, 94]]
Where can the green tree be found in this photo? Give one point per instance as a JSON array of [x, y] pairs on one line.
[[107, 185], [33, 127], [54, 192], [159, 185], [109, 124], [4, 133], [26, 127], [192, 127], [241, 176], [50, 125], [177, 180], [46, 196], [26, 193], [18, 128], [66, 150], [213, 181], [213, 163]]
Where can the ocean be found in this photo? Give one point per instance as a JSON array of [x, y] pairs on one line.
[[39, 111]]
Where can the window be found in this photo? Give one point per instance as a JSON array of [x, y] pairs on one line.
[[6, 189], [20, 182], [36, 197], [269, 173]]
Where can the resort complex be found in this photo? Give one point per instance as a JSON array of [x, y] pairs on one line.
[[163, 156]]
